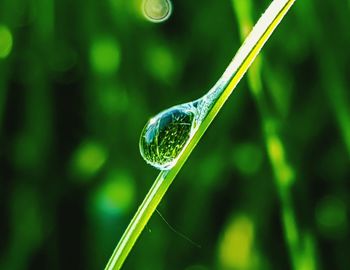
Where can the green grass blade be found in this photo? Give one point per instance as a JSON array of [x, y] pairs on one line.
[[233, 74]]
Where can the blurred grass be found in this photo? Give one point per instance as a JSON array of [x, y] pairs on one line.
[[79, 82], [283, 172]]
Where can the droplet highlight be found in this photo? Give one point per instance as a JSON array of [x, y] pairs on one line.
[[157, 10]]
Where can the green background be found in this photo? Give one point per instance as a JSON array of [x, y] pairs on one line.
[[266, 188]]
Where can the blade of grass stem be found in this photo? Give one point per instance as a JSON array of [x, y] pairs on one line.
[[233, 74]]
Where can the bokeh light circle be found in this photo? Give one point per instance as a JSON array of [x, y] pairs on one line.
[[157, 10], [6, 41]]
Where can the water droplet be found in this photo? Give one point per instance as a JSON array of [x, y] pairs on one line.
[[157, 10], [165, 135]]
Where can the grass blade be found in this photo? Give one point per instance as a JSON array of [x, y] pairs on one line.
[[231, 77]]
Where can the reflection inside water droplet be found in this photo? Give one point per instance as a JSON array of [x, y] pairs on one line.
[[157, 10], [165, 135]]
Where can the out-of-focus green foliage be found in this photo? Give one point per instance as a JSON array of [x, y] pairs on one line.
[[78, 81]]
